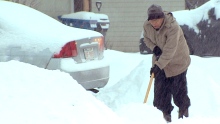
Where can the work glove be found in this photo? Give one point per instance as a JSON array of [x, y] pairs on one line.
[[157, 51], [156, 70]]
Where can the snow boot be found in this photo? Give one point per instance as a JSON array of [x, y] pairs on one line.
[[167, 117], [183, 113]]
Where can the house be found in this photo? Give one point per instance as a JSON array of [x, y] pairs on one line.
[[126, 17]]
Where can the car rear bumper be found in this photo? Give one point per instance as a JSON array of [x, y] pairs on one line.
[[94, 78], [93, 74]]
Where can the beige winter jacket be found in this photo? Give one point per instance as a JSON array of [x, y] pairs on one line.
[[170, 39]]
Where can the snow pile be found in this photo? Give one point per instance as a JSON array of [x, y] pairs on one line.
[[35, 30], [32, 95], [194, 16]]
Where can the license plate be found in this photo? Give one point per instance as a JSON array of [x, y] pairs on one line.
[[89, 53]]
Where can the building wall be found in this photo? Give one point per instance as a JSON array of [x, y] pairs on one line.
[[55, 8], [127, 18]]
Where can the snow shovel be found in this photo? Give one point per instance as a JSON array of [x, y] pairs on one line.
[[149, 86]]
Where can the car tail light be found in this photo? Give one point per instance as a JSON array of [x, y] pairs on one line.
[[100, 41], [68, 50]]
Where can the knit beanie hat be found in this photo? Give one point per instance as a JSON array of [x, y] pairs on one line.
[[155, 12]]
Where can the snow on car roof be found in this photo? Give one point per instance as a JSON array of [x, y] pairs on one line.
[[23, 24], [84, 15], [81, 15]]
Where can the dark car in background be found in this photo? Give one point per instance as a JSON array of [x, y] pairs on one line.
[[201, 27]]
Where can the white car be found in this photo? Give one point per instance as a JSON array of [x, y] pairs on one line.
[[30, 36]]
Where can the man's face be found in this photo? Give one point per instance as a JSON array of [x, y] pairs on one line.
[[156, 23]]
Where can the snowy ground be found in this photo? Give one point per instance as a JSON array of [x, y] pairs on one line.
[[203, 86], [32, 95]]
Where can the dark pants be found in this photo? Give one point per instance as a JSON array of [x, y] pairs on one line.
[[166, 88]]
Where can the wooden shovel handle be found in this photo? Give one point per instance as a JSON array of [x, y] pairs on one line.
[[149, 86]]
